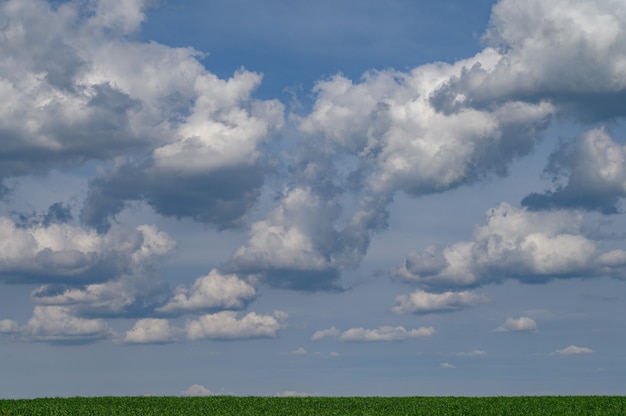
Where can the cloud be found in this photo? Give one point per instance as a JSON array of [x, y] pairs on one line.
[[447, 365], [211, 169], [514, 244], [474, 353], [385, 333], [226, 326], [570, 52], [404, 143], [386, 133], [196, 390], [425, 302], [150, 331], [60, 109], [573, 350], [325, 333], [129, 296], [57, 213], [299, 351], [431, 129], [293, 246], [594, 167], [210, 292], [8, 326], [292, 393], [55, 324], [62, 253], [94, 275], [521, 324], [78, 88]]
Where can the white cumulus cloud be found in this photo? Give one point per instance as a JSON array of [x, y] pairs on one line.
[[424, 302], [299, 351], [573, 350], [64, 253], [385, 333], [56, 324], [227, 326], [8, 326], [326, 333], [150, 331], [521, 324], [515, 243], [196, 390], [213, 291]]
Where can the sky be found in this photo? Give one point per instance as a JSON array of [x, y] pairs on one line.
[[332, 198]]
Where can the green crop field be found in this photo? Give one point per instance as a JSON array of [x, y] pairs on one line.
[[230, 405]]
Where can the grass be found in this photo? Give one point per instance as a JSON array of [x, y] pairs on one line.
[[231, 405]]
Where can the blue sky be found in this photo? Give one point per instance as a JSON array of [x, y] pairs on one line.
[[312, 198]]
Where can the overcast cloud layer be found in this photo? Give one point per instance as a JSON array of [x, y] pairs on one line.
[[151, 131]]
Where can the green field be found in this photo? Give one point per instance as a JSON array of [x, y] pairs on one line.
[[231, 405]]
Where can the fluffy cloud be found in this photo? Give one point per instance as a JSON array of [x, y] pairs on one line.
[[522, 324], [434, 128], [383, 333], [378, 136], [57, 111], [293, 246], [573, 350], [63, 253], [77, 88], [568, 51], [129, 296], [210, 171], [8, 326], [196, 390], [595, 168], [150, 331], [56, 324], [404, 143], [515, 243], [326, 333], [213, 291], [425, 302], [299, 351], [226, 326]]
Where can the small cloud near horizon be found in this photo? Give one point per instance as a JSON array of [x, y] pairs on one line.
[[573, 350]]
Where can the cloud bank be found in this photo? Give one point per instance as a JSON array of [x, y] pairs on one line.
[[166, 132]]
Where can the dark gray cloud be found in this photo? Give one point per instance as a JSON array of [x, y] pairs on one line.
[[593, 167], [220, 197], [57, 213]]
